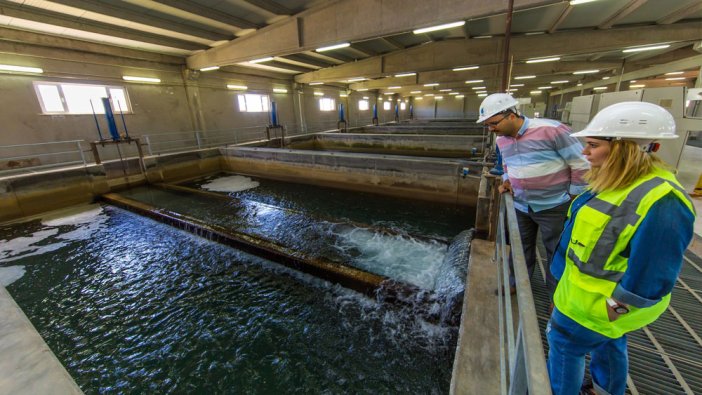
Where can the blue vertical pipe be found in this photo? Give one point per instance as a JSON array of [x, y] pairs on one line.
[[375, 111], [274, 114], [411, 111], [110, 118], [397, 110], [342, 118]]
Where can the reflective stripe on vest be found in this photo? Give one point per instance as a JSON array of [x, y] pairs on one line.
[[626, 216]]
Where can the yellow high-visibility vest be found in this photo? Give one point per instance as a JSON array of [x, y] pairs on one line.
[[594, 263]]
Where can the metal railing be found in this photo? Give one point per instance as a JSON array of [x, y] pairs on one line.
[[22, 158], [522, 360], [163, 143]]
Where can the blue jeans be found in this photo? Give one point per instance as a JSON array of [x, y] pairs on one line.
[[569, 342]]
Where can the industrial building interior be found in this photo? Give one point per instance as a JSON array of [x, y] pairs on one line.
[[199, 76]]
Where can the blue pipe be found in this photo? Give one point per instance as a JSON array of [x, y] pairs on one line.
[[375, 111], [110, 119], [342, 118], [274, 114]]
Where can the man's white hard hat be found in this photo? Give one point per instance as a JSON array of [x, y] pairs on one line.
[[632, 120], [495, 104]]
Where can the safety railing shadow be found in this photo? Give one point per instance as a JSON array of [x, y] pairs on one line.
[[522, 360]]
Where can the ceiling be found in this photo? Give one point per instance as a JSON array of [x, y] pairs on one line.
[[232, 33]]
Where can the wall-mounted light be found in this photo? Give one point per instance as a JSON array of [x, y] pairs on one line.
[[675, 79], [466, 68], [439, 27], [319, 93], [478, 88], [316, 83], [460, 96], [333, 47], [542, 60], [641, 49], [545, 87], [280, 90], [524, 77], [516, 85], [362, 90], [211, 68], [445, 90], [535, 92], [599, 88], [432, 84], [637, 86], [559, 82], [474, 81], [237, 87], [586, 72], [405, 74], [418, 98], [261, 60], [20, 69], [453, 93], [413, 92], [343, 95], [140, 79], [482, 94], [438, 97]]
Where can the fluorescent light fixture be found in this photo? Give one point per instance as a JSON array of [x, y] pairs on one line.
[[416, 92], [453, 93], [394, 87], [343, 95], [319, 93], [445, 90], [512, 90], [439, 27], [477, 88], [580, 84], [545, 87], [405, 74], [535, 92], [333, 47], [586, 72], [432, 84], [674, 73], [606, 78], [211, 68], [363, 90], [534, 33], [641, 49], [365, 97], [516, 85], [239, 87], [460, 96], [599, 88], [483, 36], [139, 79], [576, 2], [675, 79], [316, 83], [559, 82], [482, 95], [637, 86], [474, 81], [466, 68], [21, 69], [357, 79], [542, 60], [261, 60], [280, 90], [388, 93], [429, 94], [479, 92], [418, 98], [438, 97], [525, 77]]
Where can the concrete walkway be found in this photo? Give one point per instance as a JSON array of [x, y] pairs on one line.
[[27, 364]]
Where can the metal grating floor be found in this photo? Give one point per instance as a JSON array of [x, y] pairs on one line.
[[665, 357]]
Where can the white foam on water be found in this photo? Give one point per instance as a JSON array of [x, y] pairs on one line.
[[230, 184], [10, 274], [398, 257], [86, 221]]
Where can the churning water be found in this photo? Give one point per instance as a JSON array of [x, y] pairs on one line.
[[134, 306]]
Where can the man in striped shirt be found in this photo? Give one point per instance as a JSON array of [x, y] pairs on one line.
[[544, 169]]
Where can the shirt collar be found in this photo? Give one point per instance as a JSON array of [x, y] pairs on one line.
[[524, 127]]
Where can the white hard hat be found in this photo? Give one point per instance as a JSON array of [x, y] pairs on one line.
[[632, 120], [495, 104]]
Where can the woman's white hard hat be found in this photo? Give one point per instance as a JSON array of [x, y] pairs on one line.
[[632, 120], [495, 104]]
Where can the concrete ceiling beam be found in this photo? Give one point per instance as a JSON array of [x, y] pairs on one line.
[[222, 17], [270, 6], [20, 37], [683, 64], [628, 8], [449, 53], [58, 19], [680, 13], [328, 24], [561, 18], [102, 8]]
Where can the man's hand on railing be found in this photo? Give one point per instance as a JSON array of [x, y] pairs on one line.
[[505, 187]]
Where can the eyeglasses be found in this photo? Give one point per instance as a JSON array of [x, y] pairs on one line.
[[495, 123]]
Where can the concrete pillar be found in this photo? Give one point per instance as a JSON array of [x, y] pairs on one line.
[[192, 93]]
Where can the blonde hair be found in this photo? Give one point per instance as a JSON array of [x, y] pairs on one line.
[[625, 164]]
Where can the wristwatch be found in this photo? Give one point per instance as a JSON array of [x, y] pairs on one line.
[[618, 308]]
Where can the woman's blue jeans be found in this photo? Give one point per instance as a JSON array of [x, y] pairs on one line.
[[569, 342]]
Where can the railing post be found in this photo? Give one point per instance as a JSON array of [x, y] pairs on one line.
[[80, 150], [148, 145], [197, 139]]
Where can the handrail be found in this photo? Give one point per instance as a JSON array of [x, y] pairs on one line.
[[524, 370]]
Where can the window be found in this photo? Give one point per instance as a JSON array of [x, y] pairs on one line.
[[327, 104], [250, 102], [58, 98], [403, 106], [363, 105], [386, 105]]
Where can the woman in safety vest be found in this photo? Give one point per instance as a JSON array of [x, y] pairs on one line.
[[621, 249]]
